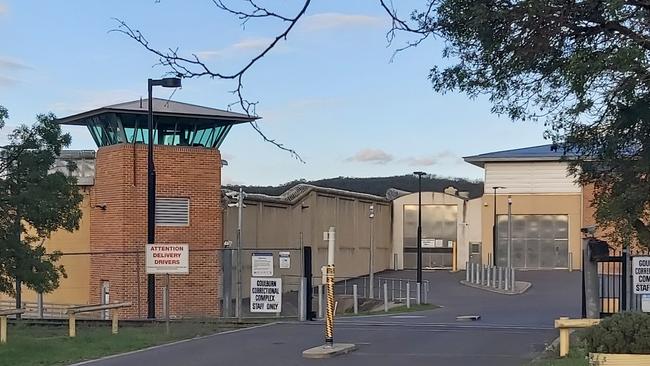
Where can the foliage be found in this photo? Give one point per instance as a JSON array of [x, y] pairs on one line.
[[582, 67], [627, 332], [378, 185], [35, 202]]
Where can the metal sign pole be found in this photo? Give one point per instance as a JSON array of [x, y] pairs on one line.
[[329, 321]]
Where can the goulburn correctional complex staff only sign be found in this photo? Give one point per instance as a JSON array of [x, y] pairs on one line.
[[641, 275], [266, 295], [167, 259]]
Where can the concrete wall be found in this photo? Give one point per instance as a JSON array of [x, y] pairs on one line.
[[535, 204], [269, 224], [468, 220]]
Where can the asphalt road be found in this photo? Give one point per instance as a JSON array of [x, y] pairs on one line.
[[511, 331]]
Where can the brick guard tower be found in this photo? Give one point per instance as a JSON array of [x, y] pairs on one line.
[[188, 167]]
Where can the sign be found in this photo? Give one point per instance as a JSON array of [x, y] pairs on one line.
[[167, 259], [266, 295], [262, 264], [285, 260], [641, 275], [428, 243], [645, 303]]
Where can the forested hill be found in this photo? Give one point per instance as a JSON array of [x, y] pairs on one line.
[[377, 185]]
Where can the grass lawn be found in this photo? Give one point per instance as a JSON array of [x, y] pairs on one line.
[[50, 345], [396, 310], [575, 358]]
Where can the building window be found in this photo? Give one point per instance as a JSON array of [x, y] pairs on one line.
[[172, 211]]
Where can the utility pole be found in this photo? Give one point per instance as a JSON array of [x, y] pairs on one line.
[[419, 235], [239, 196], [509, 231], [371, 269]]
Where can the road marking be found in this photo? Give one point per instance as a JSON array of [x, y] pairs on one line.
[[407, 316], [89, 362]]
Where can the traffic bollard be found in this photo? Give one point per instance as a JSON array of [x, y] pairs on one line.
[[385, 297], [408, 295], [355, 298]]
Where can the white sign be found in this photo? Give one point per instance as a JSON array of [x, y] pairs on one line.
[[439, 243], [266, 295], [641, 275], [285, 260], [167, 259], [428, 243], [262, 264]]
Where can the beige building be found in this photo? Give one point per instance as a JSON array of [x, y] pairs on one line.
[[448, 218], [546, 207], [298, 218]]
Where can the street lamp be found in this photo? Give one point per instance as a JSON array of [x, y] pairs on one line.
[[494, 226], [151, 188], [419, 264], [371, 270]]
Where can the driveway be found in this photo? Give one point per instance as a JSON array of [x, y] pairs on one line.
[[511, 330]]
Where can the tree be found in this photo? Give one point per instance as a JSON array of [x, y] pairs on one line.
[[34, 203], [581, 67]]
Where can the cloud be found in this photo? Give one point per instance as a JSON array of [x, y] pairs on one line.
[[429, 160], [6, 82], [3, 9], [85, 100], [325, 21], [374, 156], [243, 46], [7, 63]]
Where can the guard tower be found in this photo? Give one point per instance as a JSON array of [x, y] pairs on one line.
[[188, 191]]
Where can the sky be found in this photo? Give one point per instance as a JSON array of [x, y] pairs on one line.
[[330, 90]]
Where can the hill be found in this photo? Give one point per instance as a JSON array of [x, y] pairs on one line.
[[377, 185]]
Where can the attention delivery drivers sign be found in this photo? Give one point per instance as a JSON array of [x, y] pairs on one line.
[[167, 259]]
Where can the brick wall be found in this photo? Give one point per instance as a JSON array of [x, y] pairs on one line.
[[120, 230]]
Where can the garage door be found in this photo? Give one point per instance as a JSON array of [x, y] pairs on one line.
[[538, 241]]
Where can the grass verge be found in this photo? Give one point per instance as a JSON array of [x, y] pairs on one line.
[[31, 345], [396, 310]]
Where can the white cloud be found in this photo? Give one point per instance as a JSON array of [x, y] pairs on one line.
[[85, 100], [325, 21], [374, 156], [243, 46], [429, 160], [6, 82]]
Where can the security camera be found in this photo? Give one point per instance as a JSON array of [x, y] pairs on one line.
[[232, 194], [591, 230], [227, 244]]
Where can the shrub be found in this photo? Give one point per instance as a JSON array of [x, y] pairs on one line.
[[621, 333]]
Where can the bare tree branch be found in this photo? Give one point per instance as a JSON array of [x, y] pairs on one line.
[[423, 29], [193, 67]]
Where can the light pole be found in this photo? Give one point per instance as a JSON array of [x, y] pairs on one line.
[[151, 188], [494, 227], [509, 231], [419, 264], [371, 270]]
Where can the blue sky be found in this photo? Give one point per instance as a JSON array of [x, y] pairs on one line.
[[329, 91]]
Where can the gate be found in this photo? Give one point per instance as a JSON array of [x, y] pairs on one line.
[[615, 293]]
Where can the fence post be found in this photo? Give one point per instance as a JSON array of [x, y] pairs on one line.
[[408, 295], [320, 301], [385, 297], [624, 280], [564, 339], [3, 329], [513, 281], [507, 278], [39, 304], [72, 325], [114, 322], [494, 277], [355, 299], [426, 293], [501, 282], [302, 306], [489, 277]]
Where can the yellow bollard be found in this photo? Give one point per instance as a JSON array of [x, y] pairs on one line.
[[329, 320], [564, 339], [114, 322], [72, 325], [3, 329]]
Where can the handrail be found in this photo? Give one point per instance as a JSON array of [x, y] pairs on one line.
[[3, 322], [73, 311], [565, 325]]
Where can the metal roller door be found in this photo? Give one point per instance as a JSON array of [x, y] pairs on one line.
[[538, 241]]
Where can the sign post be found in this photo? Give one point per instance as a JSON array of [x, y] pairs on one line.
[[330, 348], [167, 259]]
